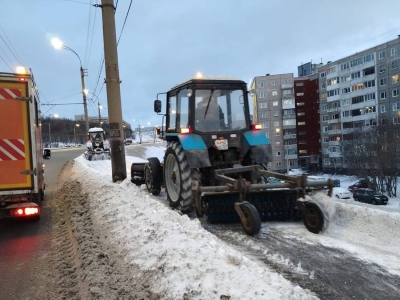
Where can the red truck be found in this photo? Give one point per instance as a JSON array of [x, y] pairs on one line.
[[21, 153]]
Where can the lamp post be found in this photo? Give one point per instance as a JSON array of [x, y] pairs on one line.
[[58, 44], [140, 136], [76, 125]]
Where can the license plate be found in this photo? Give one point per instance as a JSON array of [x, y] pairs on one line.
[[221, 144]]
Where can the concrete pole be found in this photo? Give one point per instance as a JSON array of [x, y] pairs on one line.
[[84, 99], [118, 163], [98, 106]]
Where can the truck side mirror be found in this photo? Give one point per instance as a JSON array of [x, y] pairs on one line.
[[157, 106], [158, 130]]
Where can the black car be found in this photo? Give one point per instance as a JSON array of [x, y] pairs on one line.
[[369, 196]]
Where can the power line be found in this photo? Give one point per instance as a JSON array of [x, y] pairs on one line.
[[123, 26], [12, 52], [88, 32], [6, 64], [77, 2], [17, 56]]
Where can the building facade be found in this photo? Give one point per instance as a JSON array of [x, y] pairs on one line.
[[356, 91], [274, 108]]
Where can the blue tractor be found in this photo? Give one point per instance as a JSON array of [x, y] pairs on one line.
[[216, 160]]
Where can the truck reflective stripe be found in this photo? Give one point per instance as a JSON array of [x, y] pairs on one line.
[[9, 93], [12, 149]]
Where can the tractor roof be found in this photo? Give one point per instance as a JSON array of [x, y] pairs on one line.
[[210, 80], [96, 129]]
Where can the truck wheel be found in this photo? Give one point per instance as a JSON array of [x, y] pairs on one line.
[[153, 175], [253, 220], [177, 176], [314, 222]]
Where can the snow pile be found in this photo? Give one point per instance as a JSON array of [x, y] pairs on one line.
[[179, 258]]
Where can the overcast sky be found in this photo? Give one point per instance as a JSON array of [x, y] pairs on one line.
[[165, 42]]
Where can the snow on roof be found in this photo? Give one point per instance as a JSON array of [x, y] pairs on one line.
[[96, 129]]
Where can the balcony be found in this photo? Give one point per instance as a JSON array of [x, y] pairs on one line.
[[335, 154], [287, 86], [291, 156], [334, 143], [289, 136], [333, 109], [292, 116], [333, 121], [335, 131], [292, 146]]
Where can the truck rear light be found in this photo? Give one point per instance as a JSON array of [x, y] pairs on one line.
[[256, 126], [186, 130], [24, 211]]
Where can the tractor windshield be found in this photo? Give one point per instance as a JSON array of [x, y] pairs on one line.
[[219, 110]]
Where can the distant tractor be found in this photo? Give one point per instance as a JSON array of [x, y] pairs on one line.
[[97, 146], [216, 160]]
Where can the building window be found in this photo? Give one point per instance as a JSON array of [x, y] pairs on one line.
[[262, 105], [394, 65], [323, 85], [369, 97], [302, 113], [355, 75], [382, 81], [265, 125], [273, 82], [325, 118], [368, 84], [324, 129], [324, 107], [303, 151], [346, 102], [346, 113], [299, 84], [276, 113], [382, 55], [395, 120], [267, 135], [262, 84], [278, 153], [333, 92], [395, 93], [300, 103], [382, 69], [276, 124], [287, 101], [383, 108], [332, 81], [395, 106], [299, 94], [301, 123], [383, 95], [324, 96], [357, 87], [287, 92], [279, 163], [274, 93], [325, 140], [264, 115], [395, 78], [287, 81], [346, 90], [393, 51], [262, 95], [277, 144], [345, 66], [275, 103], [322, 74], [277, 132]]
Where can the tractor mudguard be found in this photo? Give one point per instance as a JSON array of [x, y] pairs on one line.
[[258, 143], [195, 149]]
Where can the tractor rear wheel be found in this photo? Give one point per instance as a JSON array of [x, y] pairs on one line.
[[177, 176], [314, 220], [153, 175], [253, 220]]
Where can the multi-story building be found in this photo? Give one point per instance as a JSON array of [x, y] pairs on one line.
[[357, 91], [274, 108], [308, 135]]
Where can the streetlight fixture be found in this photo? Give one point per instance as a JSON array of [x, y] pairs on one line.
[[58, 44], [140, 136], [76, 125]]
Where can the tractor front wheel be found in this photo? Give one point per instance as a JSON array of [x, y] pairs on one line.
[[314, 219], [153, 175], [252, 225]]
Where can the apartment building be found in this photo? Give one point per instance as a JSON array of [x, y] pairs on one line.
[[308, 136], [356, 91], [274, 108]]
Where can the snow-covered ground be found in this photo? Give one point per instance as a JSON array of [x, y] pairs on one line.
[[182, 258]]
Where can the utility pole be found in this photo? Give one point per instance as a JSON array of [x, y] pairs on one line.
[[84, 99], [118, 163], [98, 106]]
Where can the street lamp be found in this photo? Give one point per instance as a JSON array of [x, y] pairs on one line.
[[58, 44], [76, 125], [140, 136]]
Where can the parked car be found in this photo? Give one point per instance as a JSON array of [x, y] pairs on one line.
[[341, 193], [46, 153], [369, 196], [361, 184], [128, 141]]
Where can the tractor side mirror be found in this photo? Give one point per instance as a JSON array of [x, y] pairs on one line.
[[252, 92], [46, 153], [158, 130], [157, 106]]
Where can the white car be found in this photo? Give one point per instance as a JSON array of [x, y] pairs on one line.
[[341, 193]]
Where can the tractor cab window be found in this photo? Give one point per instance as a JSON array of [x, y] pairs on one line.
[[96, 137], [178, 107], [172, 113], [219, 110]]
